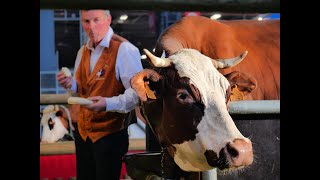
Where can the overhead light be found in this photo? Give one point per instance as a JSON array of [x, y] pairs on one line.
[[123, 17], [143, 56], [260, 18], [215, 16]]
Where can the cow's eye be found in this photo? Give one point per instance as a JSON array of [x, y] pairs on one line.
[[184, 96]]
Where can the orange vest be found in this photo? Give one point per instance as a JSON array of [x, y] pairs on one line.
[[101, 82]]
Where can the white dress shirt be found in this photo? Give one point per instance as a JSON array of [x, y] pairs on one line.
[[128, 63]]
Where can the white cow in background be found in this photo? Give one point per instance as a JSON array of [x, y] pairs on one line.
[[54, 123]]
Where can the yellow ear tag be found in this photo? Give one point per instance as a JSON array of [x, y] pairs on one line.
[[236, 94], [149, 92]]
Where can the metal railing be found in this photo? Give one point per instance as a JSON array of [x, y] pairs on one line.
[[236, 107]]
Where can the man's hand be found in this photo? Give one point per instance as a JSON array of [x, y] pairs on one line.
[[64, 81], [98, 105]]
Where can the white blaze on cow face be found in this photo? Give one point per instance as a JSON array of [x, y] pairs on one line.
[[216, 128]]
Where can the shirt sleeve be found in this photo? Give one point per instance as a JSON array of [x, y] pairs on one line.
[[127, 65], [76, 65], [124, 102]]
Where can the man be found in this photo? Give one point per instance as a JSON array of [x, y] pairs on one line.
[[102, 73]]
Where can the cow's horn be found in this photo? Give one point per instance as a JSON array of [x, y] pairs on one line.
[[156, 61], [228, 63]]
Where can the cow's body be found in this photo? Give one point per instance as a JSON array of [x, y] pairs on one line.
[[225, 39]]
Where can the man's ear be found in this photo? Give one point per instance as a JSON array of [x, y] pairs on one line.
[[241, 84]]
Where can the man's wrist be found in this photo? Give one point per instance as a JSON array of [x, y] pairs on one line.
[[111, 104]]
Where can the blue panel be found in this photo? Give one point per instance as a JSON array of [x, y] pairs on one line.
[[48, 61], [275, 16]]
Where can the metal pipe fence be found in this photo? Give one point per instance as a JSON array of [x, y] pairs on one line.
[[236, 107]]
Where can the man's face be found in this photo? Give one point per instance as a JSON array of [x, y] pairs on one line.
[[96, 24]]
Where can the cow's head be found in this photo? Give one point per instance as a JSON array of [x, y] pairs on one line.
[[54, 124], [184, 100]]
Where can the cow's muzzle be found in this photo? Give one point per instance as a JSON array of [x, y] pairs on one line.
[[235, 154]]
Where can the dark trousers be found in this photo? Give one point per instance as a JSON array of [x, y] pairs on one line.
[[101, 160]]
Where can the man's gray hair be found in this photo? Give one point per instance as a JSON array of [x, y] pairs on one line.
[[107, 12]]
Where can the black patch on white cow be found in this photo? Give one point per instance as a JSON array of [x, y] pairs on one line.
[[50, 123]]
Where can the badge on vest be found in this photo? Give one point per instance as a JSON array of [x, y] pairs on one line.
[[101, 72]]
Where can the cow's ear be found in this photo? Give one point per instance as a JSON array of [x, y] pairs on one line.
[[241, 84], [152, 89], [143, 83]]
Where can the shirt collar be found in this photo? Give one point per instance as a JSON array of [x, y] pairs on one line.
[[105, 41]]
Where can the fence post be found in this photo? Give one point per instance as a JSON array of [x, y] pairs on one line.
[[210, 174]]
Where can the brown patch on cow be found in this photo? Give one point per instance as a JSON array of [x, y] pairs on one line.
[[173, 120], [179, 120]]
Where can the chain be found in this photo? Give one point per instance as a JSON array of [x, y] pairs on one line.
[[162, 162]]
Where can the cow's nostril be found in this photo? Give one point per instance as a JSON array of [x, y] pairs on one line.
[[232, 151], [239, 152]]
